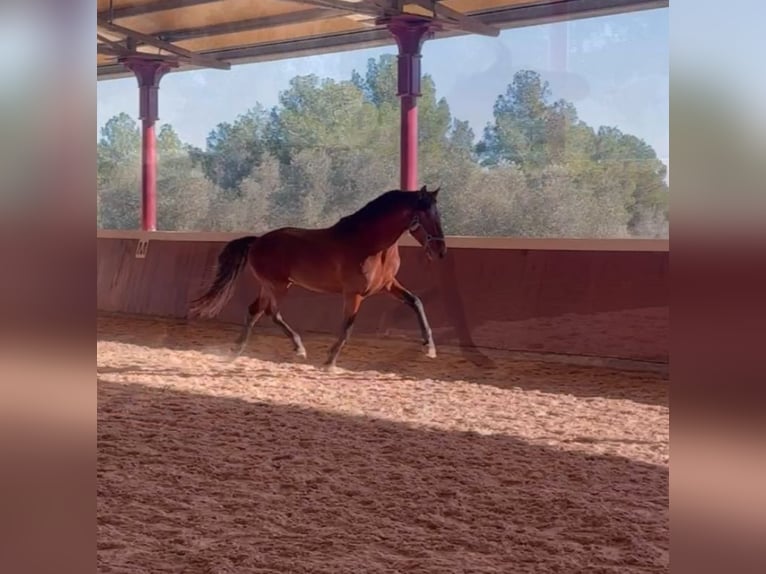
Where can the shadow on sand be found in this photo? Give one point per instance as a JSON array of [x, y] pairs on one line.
[[197, 483]]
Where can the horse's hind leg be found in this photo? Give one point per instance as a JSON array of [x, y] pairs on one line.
[[300, 350], [254, 312], [413, 301], [350, 311], [275, 295]]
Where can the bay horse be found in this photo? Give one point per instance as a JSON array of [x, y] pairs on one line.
[[356, 257]]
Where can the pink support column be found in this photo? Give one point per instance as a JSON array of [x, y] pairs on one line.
[[148, 72], [410, 34]]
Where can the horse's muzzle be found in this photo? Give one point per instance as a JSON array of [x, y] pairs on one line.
[[429, 243]]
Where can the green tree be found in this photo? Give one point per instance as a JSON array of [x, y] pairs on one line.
[[518, 134], [596, 175], [234, 149], [120, 143], [487, 205], [118, 173], [627, 166], [324, 114], [169, 144], [184, 193], [250, 211], [380, 82], [554, 205]]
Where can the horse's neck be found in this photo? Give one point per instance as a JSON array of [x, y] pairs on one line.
[[385, 232]]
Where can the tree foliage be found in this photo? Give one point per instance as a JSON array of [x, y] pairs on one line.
[[330, 146]]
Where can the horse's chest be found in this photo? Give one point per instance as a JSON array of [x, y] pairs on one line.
[[376, 272], [370, 271]]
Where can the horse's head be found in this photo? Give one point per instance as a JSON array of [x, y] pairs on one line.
[[426, 226]]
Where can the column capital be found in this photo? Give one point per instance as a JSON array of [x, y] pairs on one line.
[[410, 33], [148, 72]]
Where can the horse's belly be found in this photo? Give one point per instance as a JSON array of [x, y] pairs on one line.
[[320, 278], [317, 287], [300, 257]]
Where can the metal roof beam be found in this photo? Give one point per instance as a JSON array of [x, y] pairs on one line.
[[109, 46], [195, 59], [141, 9], [106, 50], [448, 17]]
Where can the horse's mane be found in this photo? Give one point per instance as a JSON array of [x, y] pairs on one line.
[[374, 208]]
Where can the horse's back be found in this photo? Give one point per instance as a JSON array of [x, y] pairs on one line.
[[298, 242], [311, 258]]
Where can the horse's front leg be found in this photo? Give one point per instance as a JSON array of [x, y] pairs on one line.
[[351, 306], [413, 301]]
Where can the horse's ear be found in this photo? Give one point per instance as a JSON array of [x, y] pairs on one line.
[[423, 189], [435, 192]]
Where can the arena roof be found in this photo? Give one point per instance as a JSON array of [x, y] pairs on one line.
[[220, 33]]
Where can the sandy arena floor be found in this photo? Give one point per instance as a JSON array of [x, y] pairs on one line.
[[396, 463]]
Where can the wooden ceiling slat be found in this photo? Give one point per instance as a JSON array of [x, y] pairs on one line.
[[299, 17], [271, 35], [221, 12]]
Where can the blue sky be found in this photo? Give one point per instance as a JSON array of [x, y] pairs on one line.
[[614, 69]]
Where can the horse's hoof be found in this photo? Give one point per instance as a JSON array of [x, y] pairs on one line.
[[330, 368], [301, 353], [431, 352], [232, 356]]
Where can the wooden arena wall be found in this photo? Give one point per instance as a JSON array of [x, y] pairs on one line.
[[590, 298]]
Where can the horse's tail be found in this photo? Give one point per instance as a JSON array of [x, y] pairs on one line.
[[231, 262]]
